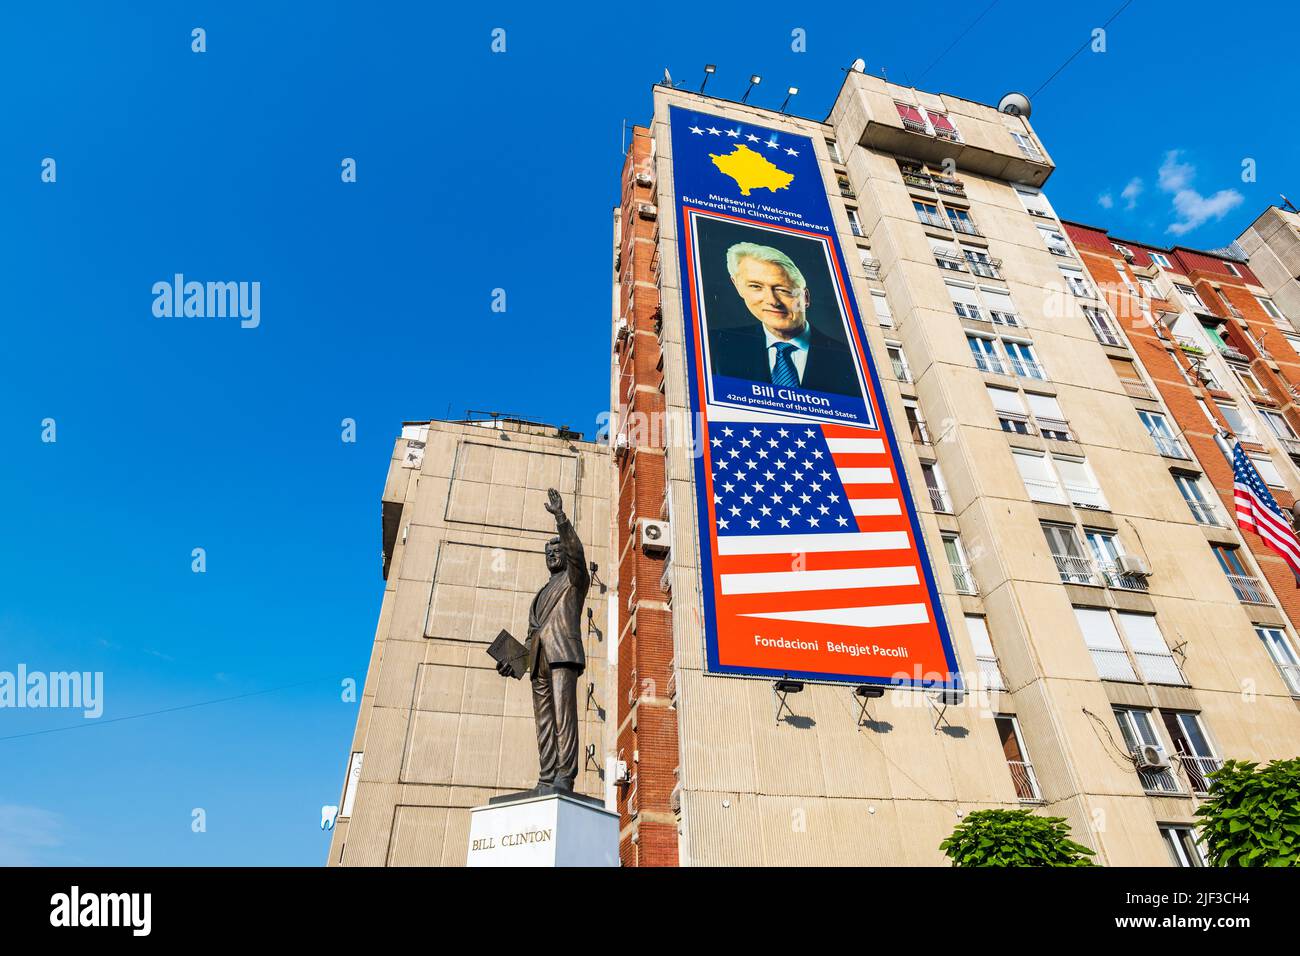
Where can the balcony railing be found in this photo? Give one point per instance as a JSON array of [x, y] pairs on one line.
[[939, 501], [988, 268], [1291, 674], [1107, 337], [1075, 570], [1158, 781], [1030, 152], [1118, 579], [1006, 318], [1062, 251], [1112, 664], [1247, 588], [1041, 213], [1291, 445], [871, 267], [920, 434], [918, 179], [1159, 668], [953, 187], [1198, 770], [989, 363], [901, 371], [1040, 489], [952, 261], [963, 580], [1027, 369], [964, 226], [1136, 388], [990, 673], [930, 219], [1026, 782], [1016, 422], [1168, 446], [1204, 514], [1189, 345], [1054, 428], [916, 126], [1237, 355]]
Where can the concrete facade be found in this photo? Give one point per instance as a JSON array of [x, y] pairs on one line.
[[440, 730], [745, 789], [1273, 244]]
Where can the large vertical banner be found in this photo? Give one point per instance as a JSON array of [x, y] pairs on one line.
[[813, 562]]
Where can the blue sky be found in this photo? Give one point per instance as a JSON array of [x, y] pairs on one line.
[[475, 171]]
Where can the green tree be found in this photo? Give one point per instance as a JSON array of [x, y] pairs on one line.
[[1013, 838], [1251, 816]]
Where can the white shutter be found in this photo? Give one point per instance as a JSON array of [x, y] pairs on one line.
[[979, 636], [1005, 400], [1040, 480], [1149, 647], [883, 315], [1098, 629], [1045, 406], [964, 295]]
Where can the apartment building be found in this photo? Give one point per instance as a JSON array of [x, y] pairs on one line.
[[1203, 379], [1109, 660], [439, 731], [1272, 242]]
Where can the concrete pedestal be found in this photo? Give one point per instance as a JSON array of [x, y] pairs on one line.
[[553, 829]]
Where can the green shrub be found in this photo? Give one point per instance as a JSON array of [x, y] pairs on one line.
[[1251, 816], [1013, 838]]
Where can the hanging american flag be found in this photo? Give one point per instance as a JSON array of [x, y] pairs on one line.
[[1258, 511], [813, 553]]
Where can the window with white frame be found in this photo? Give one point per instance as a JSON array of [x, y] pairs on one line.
[[1040, 479], [1190, 296], [1102, 327], [833, 148], [1242, 427], [1180, 841], [990, 674], [965, 301], [981, 264], [1050, 419], [1267, 470], [1055, 240], [1281, 428], [1189, 486], [1075, 282], [985, 352], [962, 578], [1010, 409], [1035, 203], [1028, 148], [1018, 762], [1139, 732], [1159, 259], [1158, 428], [1071, 562], [1293, 341], [1080, 483], [1104, 645], [946, 256], [855, 224], [937, 488], [898, 359], [881, 306], [1024, 360], [1192, 750], [1150, 651], [1001, 309], [1283, 653], [928, 215], [1274, 313], [1149, 288]]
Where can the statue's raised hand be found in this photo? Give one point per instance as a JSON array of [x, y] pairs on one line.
[[554, 503]]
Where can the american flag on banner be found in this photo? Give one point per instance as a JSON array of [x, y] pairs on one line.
[[814, 548], [1258, 511]]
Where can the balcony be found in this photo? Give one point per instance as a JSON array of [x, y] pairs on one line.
[[989, 363], [1086, 496], [1236, 354], [1189, 346], [964, 226], [1198, 770], [939, 501], [990, 673], [946, 184], [1040, 213], [1006, 318], [1027, 369], [1136, 388], [931, 220], [986, 267], [901, 372], [1026, 782], [963, 580], [920, 434], [1247, 588], [1017, 423], [1112, 664], [1062, 251], [952, 261], [1075, 570], [1159, 669], [871, 267], [1169, 446], [1116, 578], [917, 178], [1204, 514]]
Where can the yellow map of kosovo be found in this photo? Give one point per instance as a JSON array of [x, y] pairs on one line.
[[751, 170]]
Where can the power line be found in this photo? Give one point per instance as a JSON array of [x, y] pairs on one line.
[[167, 710], [1082, 47], [969, 27]]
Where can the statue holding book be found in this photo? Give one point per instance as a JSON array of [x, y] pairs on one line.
[[553, 654]]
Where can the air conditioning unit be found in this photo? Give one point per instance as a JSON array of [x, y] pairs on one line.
[[1151, 757], [647, 210], [1134, 566], [655, 535], [1204, 375], [620, 330], [620, 442], [644, 179], [620, 772]]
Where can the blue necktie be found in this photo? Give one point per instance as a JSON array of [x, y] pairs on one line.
[[783, 370]]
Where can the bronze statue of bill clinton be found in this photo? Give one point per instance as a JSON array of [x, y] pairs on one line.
[[554, 652]]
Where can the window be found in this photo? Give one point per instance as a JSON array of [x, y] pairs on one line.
[[1010, 410], [1080, 483], [354, 778], [1192, 748], [1158, 429], [942, 126], [1039, 478], [1104, 644], [1154, 662], [1001, 309], [982, 265], [855, 224], [1268, 471], [1107, 552], [990, 674], [915, 422], [1130, 378], [1160, 259], [935, 486], [1240, 427], [833, 148], [1254, 389], [1189, 294], [1190, 488], [1035, 203], [965, 301], [870, 264], [985, 353], [1049, 417], [911, 117], [961, 221], [928, 214], [1139, 732], [881, 305], [1274, 313], [1076, 283], [1063, 543], [1028, 148], [1149, 288], [1024, 362], [1055, 241], [1181, 843], [1245, 585], [1283, 653], [1102, 327], [962, 578], [899, 361], [947, 257], [1293, 341], [1233, 269], [1013, 748], [1282, 429]]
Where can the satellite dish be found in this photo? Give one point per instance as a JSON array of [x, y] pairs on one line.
[[668, 78], [1017, 104], [859, 65]]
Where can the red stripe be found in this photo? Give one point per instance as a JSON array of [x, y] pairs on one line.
[[814, 561]]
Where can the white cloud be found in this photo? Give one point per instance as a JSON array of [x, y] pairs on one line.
[[1105, 200], [1131, 192], [26, 830], [1192, 208]]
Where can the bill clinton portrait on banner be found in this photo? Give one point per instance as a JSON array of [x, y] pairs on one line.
[[771, 312]]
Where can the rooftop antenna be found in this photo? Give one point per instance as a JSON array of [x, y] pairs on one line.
[[668, 78], [1288, 203]]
